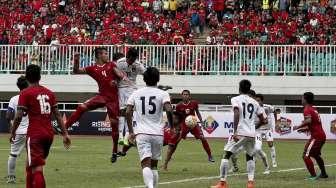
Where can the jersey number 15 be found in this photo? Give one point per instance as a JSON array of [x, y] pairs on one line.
[[150, 103]]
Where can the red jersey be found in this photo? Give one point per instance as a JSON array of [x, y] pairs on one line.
[[38, 101], [315, 128], [187, 109], [105, 78]]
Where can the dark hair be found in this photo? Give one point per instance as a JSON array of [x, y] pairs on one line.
[[98, 51], [244, 86], [33, 73], [260, 96], [117, 56], [22, 83], [309, 97], [132, 52], [151, 76], [186, 91], [252, 93]]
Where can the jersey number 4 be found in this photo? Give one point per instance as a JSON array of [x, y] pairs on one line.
[[249, 108], [44, 104], [150, 103]]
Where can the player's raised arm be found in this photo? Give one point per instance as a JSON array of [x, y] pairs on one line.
[[307, 120], [58, 116], [16, 123], [121, 75], [75, 68]]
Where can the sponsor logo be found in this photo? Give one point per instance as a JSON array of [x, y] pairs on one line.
[[210, 124], [283, 126], [102, 126], [333, 126]]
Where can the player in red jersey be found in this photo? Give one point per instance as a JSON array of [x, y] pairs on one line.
[[312, 124], [106, 75], [40, 104], [185, 108]]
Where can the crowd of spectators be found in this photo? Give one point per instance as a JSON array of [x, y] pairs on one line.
[[272, 22]]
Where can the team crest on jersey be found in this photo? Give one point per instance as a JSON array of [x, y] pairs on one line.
[[187, 111], [283, 126], [210, 124], [333, 126]]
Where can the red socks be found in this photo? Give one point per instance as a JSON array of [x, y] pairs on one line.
[[38, 180], [115, 137], [74, 116], [29, 177], [206, 147], [310, 166]]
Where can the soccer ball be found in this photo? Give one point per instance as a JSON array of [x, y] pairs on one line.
[[191, 121]]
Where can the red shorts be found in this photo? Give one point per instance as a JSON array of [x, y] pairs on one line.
[[196, 131], [99, 101], [313, 147], [169, 136], [38, 150]]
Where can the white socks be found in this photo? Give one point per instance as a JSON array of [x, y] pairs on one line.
[[11, 165], [156, 178], [223, 170], [250, 170], [122, 122], [148, 177], [273, 154]]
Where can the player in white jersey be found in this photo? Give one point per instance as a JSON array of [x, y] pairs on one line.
[[148, 104], [19, 142], [245, 110], [132, 67], [266, 130]]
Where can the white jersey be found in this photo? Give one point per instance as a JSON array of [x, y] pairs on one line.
[[148, 105], [13, 103], [269, 111], [131, 70], [249, 109], [257, 120]]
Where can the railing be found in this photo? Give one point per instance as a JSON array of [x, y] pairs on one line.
[[203, 107], [193, 60]]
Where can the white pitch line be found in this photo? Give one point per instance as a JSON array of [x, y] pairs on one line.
[[55, 147], [214, 177]]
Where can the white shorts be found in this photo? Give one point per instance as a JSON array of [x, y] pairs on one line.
[[124, 94], [149, 146], [18, 144], [260, 135], [246, 142]]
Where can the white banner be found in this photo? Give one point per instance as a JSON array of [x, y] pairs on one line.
[[220, 125]]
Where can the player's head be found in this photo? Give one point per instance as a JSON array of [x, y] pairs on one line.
[[117, 56], [132, 55], [260, 98], [22, 83], [33, 73], [251, 93], [308, 98], [244, 86], [185, 95], [151, 76], [101, 54], [277, 111]]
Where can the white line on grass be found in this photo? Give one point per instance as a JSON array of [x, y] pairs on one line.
[[214, 177], [55, 147]]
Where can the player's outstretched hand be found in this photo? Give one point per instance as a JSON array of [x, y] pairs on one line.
[[66, 141], [12, 138], [235, 138], [131, 138]]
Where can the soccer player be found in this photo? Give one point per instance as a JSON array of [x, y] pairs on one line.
[[148, 104], [132, 67], [245, 110], [106, 75], [40, 104], [266, 130], [20, 140], [312, 124], [188, 107]]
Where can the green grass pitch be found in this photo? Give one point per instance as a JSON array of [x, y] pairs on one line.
[[87, 165]]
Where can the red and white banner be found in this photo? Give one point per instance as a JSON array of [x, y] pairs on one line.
[[220, 124]]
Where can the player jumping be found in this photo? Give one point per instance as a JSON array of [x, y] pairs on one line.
[[106, 75], [187, 107], [148, 104], [39, 103], [312, 124], [132, 67], [245, 110], [20, 140]]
